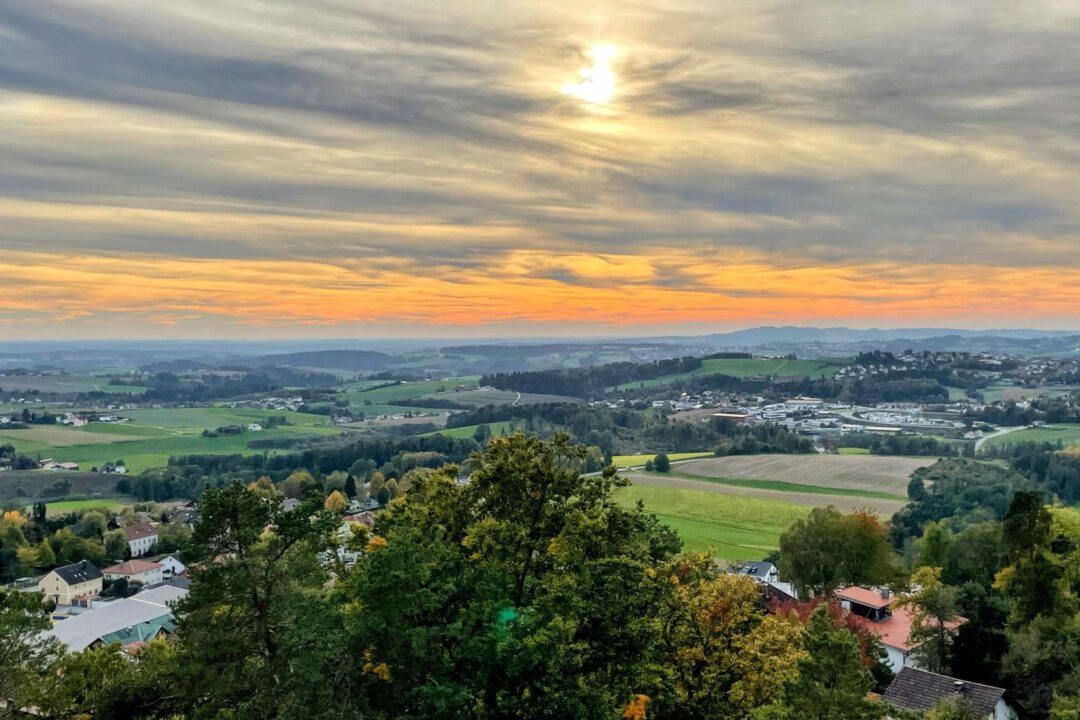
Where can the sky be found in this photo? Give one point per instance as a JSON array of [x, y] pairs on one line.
[[351, 168]]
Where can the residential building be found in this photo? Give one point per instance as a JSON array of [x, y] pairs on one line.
[[130, 623], [918, 690], [760, 571], [171, 567], [141, 538], [891, 623], [135, 570], [75, 584]]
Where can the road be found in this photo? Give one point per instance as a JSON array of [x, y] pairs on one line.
[[997, 433]]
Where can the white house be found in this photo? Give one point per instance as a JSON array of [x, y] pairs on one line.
[[140, 571], [141, 538], [891, 624], [171, 567]]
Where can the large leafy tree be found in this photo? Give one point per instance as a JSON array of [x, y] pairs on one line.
[[830, 549], [527, 593], [725, 656], [258, 637]]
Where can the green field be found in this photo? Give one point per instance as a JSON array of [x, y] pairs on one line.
[[152, 435], [853, 451], [62, 507], [360, 393], [731, 527], [1068, 435], [497, 428], [629, 461], [743, 368]]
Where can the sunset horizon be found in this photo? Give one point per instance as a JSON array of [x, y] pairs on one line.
[[201, 171]]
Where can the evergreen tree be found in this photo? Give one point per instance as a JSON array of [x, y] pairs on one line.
[[832, 683]]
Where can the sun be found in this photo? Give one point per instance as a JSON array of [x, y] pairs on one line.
[[597, 82]]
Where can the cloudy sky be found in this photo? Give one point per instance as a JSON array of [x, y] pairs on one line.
[[290, 168]]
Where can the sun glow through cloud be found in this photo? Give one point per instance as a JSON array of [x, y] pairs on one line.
[[597, 82], [555, 167]]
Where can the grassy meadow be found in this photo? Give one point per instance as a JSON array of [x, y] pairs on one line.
[[730, 527], [152, 435], [745, 367], [1068, 435]]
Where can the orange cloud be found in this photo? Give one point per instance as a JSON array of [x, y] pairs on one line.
[[527, 287]]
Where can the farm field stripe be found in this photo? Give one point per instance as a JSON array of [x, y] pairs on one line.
[[783, 486]]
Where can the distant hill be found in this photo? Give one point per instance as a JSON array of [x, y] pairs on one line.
[[353, 360], [793, 335]]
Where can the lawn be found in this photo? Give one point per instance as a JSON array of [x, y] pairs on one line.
[[731, 527], [853, 451], [629, 461], [746, 367], [1068, 435]]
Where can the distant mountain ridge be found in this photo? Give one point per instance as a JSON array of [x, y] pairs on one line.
[[797, 334]]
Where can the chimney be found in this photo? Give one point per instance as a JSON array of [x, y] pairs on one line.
[[886, 593], [958, 687]]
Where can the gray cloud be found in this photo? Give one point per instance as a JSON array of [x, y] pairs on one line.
[[833, 131]]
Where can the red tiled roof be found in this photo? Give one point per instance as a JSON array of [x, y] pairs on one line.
[[864, 596], [131, 567], [142, 530], [895, 631]]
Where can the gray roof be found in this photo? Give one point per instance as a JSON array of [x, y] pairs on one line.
[[921, 690], [80, 631], [80, 572], [758, 569]]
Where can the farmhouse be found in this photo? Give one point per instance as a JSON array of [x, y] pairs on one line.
[[918, 690], [75, 584], [891, 624], [140, 571], [141, 538]]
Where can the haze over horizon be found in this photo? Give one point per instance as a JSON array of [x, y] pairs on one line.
[[327, 169]]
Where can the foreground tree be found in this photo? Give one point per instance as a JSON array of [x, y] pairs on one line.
[[725, 656], [832, 683], [25, 656], [258, 637], [528, 593], [954, 709]]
